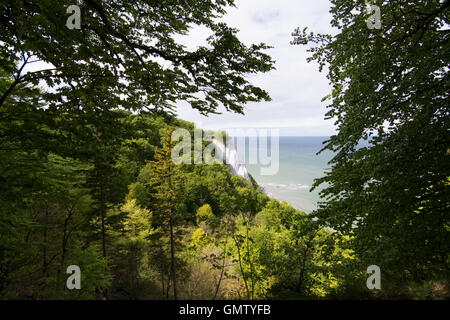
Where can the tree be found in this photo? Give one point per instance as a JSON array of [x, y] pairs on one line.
[[47, 234], [389, 180], [294, 257], [165, 206], [218, 230], [247, 206], [131, 270], [127, 55]]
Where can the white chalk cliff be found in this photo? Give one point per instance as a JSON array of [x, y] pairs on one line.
[[229, 155]]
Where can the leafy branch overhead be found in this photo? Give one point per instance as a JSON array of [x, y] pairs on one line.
[[127, 55]]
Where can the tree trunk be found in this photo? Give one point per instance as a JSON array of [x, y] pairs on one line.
[[250, 263], [240, 266], [172, 258], [44, 254], [301, 276], [222, 271]]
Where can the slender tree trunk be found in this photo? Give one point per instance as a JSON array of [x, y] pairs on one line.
[[301, 275], [250, 263], [103, 209], [222, 271], [44, 254], [162, 286], [172, 258], [64, 241], [168, 286], [240, 266], [103, 234], [103, 218]]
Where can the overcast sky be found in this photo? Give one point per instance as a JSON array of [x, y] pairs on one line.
[[296, 87]]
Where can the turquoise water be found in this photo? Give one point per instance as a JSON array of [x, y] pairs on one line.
[[298, 167]]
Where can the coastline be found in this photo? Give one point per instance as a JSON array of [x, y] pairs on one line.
[[299, 166]]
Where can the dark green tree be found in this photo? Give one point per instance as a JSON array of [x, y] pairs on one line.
[[389, 179], [127, 55], [165, 206]]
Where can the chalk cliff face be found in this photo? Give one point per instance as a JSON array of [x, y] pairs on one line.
[[230, 156]]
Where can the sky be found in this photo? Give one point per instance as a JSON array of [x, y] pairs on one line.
[[296, 86]]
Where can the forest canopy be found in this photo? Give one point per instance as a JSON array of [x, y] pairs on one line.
[[87, 179]]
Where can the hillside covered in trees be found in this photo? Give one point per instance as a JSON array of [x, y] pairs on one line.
[[87, 178], [111, 213]]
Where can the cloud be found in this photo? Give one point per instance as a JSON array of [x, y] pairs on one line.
[[265, 17], [296, 87]]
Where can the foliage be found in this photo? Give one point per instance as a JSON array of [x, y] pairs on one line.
[[388, 185], [87, 179], [111, 61]]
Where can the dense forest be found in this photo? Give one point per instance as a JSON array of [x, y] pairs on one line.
[[87, 178], [113, 211]]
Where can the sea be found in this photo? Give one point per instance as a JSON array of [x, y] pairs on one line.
[[299, 165]]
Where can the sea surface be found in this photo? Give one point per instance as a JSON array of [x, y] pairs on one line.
[[299, 165]]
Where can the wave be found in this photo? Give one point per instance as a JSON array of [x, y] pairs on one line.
[[290, 186]]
